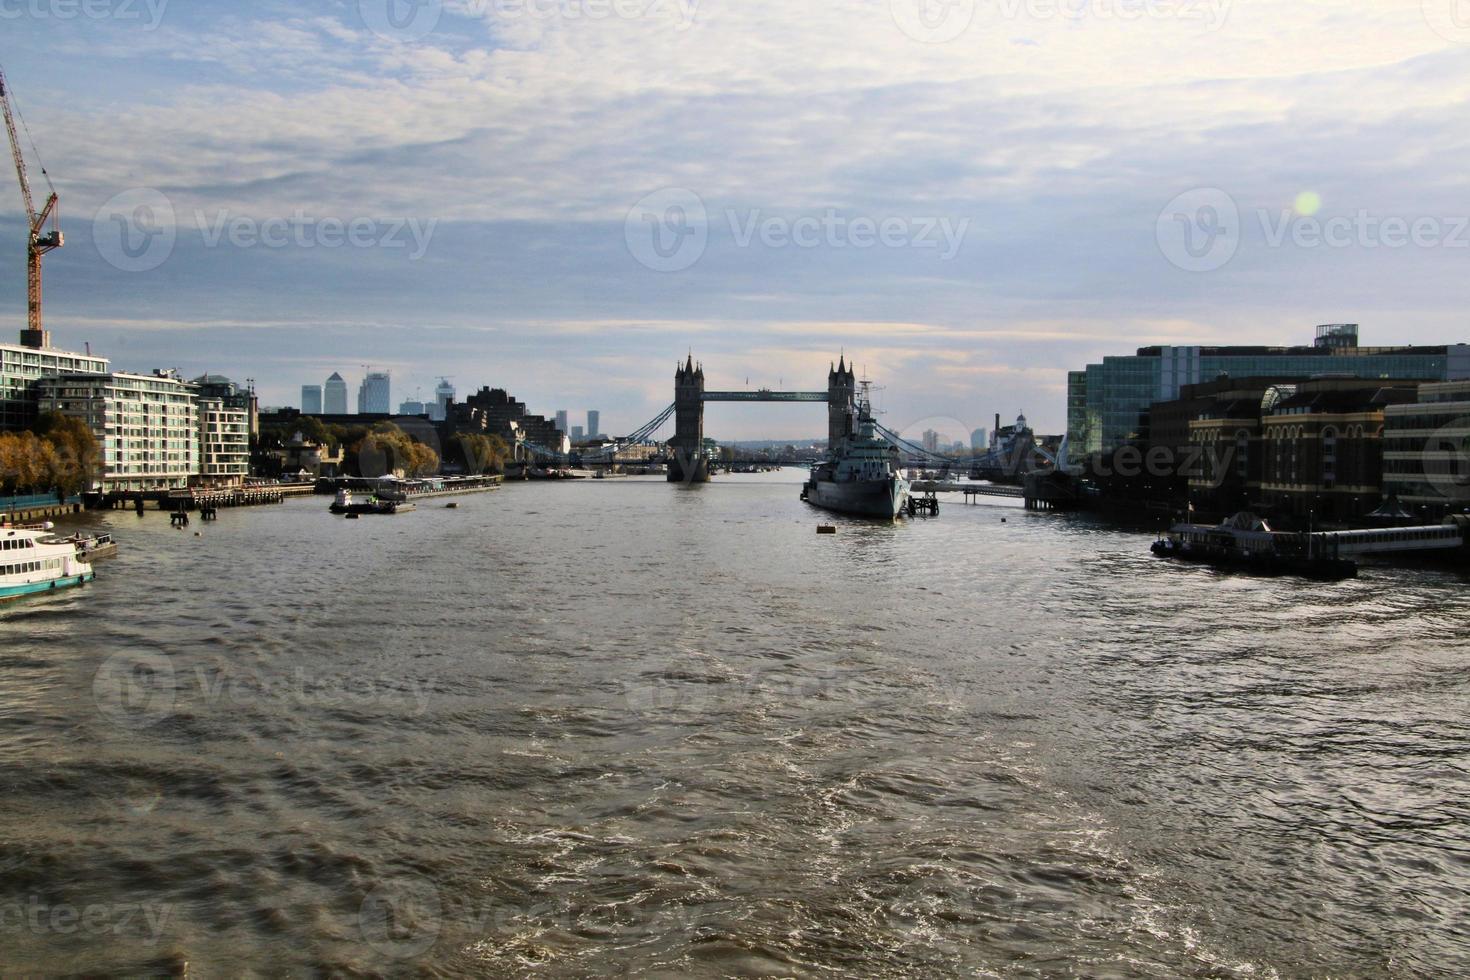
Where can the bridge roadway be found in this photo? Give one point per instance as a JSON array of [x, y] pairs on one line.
[[764, 395]]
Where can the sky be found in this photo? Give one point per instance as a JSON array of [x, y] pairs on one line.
[[565, 197]]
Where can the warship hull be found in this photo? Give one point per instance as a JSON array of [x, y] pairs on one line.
[[866, 498]]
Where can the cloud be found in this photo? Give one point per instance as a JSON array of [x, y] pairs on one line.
[[1057, 138]]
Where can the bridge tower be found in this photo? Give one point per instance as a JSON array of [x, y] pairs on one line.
[[688, 443], [841, 402]]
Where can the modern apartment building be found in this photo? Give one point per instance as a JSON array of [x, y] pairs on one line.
[[224, 443], [1426, 450], [22, 367], [1107, 404], [147, 425]]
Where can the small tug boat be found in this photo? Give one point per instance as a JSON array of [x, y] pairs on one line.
[[31, 561], [344, 504], [1245, 543], [91, 547]]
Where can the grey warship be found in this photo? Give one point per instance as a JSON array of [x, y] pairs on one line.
[[861, 472]]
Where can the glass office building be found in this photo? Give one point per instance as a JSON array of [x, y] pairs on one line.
[[1107, 404], [22, 367]]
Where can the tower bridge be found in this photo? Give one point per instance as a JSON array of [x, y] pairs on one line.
[[686, 460], [687, 463]]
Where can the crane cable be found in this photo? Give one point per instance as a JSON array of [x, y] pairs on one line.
[[35, 151]]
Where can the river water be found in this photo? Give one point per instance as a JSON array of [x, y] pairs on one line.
[[627, 728]]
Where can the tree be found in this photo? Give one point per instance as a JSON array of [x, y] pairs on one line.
[[79, 457], [479, 453], [385, 449]]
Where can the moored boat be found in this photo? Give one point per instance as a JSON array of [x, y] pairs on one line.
[[92, 547], [345, 504], [1245, 543], [861, 474], [31, 561]]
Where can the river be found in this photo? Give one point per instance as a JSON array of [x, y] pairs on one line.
[[627, 728]]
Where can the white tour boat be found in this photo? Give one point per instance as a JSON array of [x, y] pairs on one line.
[[31, 562]]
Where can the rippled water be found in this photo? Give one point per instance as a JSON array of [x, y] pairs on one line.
[[622, 727]]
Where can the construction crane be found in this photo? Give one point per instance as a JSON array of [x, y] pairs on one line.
[[39, 241]]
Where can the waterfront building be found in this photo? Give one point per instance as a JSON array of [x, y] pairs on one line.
[[561, 419], [311, 399], [494, 412], [224, 443], [594, 424], [1220, 456], [21, 367], [1426, 450], [233, 396], [373, 394], [147, 425], [1107, 403], [1322, 448], [443, 395], [334, 395]]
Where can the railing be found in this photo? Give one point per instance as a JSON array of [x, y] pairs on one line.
[[27, 501]]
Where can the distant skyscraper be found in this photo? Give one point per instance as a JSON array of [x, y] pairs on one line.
[[372, 395], [561, 419], [977, 440], [334, 395], [594, 423], [412, 408], [443, 393], [576, 433], [930, 440], [311, 399]]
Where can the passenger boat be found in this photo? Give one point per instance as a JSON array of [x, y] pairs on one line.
[[1246, 543], [32, 561], [861, 474]]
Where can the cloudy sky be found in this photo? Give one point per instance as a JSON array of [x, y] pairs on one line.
[[562, 197]]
